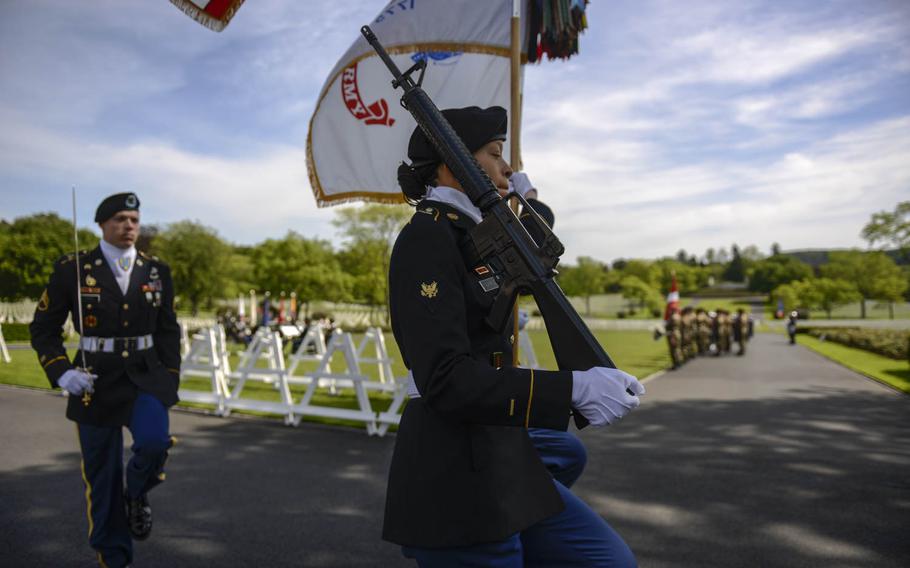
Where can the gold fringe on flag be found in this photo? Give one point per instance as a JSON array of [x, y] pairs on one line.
[[213, 22]]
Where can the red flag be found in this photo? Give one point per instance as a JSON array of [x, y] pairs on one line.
[[672, 299], [213, 14]]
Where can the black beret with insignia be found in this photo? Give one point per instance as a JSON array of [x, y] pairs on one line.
[[476, 126], [114, 204]]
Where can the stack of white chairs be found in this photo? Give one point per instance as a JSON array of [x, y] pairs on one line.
[[4, 352], [207, 357], [351, 377], [263, 361], [312, 348], [184, 340], [265, 345]]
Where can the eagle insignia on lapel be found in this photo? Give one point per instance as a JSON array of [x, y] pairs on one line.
[[429, 290]]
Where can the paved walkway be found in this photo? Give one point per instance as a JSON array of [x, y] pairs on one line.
[[776, 459]]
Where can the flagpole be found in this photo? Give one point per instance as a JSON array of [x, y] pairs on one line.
[[515, 128]]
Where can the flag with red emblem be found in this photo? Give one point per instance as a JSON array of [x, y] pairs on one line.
[[213, 14], [672, 299]]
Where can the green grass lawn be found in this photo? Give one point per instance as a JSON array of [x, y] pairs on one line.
[[607, 306], [883, 369], [874, 310], [714, 304], [634, 351]]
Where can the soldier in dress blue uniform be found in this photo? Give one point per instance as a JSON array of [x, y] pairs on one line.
[[468, 485], [131, 346]]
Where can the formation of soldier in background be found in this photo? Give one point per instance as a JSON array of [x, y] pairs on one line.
[[696, 332]]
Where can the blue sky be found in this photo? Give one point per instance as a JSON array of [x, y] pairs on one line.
[[680, 125]]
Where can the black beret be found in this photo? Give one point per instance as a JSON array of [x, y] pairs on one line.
[[476, 126], [114, 204]]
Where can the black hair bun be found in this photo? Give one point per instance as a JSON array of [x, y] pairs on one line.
[[412, 185]]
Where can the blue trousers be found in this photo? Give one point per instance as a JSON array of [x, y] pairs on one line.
[[562, 452], [103, 475], [576, 537]]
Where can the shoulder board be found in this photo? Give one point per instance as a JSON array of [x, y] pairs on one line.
[[70, 257]]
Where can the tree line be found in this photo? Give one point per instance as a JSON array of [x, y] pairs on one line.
[[846, 276], [207, 268]]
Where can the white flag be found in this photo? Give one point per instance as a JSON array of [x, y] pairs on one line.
[[359, 132]]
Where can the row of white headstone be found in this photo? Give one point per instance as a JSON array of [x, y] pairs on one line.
[[263, 361]]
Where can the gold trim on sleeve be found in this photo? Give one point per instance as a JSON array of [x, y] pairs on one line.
[[530, 397], [54, 360]]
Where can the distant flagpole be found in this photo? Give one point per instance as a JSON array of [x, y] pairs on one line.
[[515, 153], [515, 128]]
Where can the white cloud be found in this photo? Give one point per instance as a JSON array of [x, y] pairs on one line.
[[245, 199], [751, 122], [817, 197]]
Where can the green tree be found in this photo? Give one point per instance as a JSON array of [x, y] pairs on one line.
[[586, 279], [199, 261], [638, 268], [689, 278], [710, 256], [767, 274], [736, 270], [370, 231], [28, 248], [795, 295], [891, 229], [827, 294], [875, 275], [637, 290], [297, 264]]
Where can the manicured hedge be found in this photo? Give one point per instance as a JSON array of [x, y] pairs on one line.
[[16, 332], [891, 343]]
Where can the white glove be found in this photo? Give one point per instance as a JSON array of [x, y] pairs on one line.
[[599, 394], [77, 382], [520, 184]]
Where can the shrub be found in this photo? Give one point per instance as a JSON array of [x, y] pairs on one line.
[[16, 332], [891, 343]]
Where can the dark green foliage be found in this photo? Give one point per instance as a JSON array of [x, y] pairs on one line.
[[769, 273], [891, 343], [199, 261], [736, 270], [16, 332], [28, 248]]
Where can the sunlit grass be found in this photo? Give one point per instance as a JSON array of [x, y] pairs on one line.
[[634, 351], [889, 371]]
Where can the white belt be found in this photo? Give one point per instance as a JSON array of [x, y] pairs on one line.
[[110, 344], [412, 387]]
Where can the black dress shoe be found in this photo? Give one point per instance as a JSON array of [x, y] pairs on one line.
[[139, 516]]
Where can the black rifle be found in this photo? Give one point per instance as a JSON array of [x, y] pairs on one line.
[[519, 263]]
